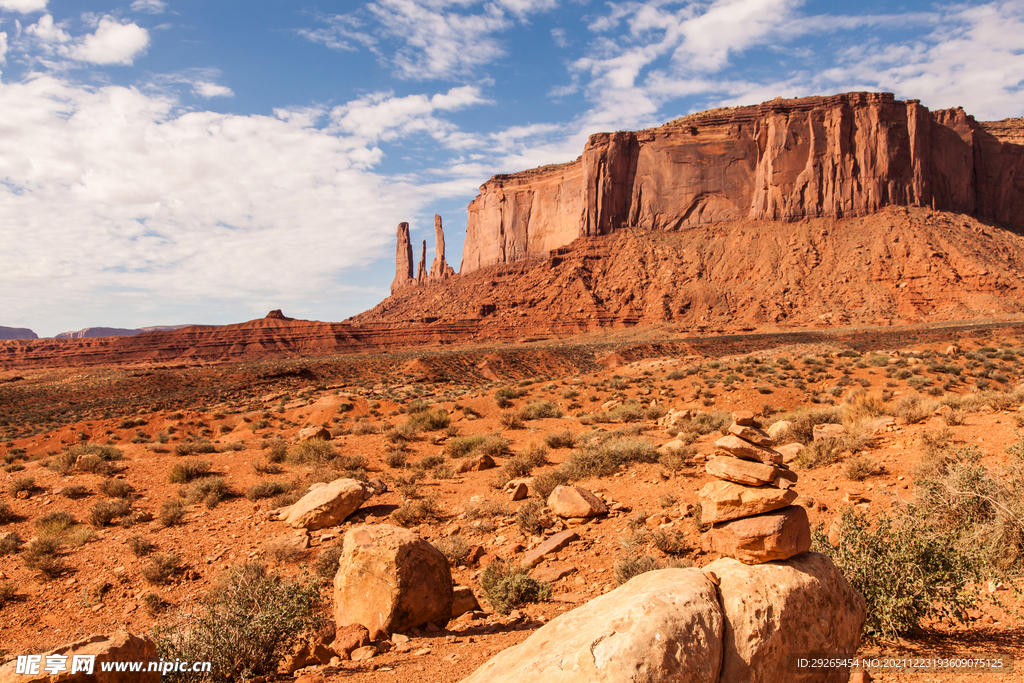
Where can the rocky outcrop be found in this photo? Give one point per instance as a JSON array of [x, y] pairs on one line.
[[439, 269], [421, 271], [677, 625], [839, 156], [403, 260], [91, 332], [390, 579], [17, 333]]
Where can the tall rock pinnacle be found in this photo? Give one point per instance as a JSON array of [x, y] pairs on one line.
[[439, 270], [403, 259], [421, 273]]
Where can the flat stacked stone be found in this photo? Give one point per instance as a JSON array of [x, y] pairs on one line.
[[750, 505]]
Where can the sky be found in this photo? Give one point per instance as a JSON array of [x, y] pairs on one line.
[[182, 161]]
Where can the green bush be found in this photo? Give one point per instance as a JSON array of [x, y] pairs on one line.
[[430, 420], [267, 489], [476, 444], [245, 626], [115, 488], [161, 568], [103, 512], [171, 513], [877, 556], [211, 491], [627, 567], [508, 585], [546, 482], [44, 556], [536, 410], [563, 439], [194, 446], [6, 514], [312, 452], [104, 452]]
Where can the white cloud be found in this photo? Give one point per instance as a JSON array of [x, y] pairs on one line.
[[208, 90], [23, 6], [48, 32], [150, 6], [3, 47], [125, 200], [381, 116], [112, 43]]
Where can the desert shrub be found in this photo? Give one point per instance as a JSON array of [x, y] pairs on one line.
[[20, 484], [598, 460], [429, 462], [54, 524], [486, 510], [954, 418], [633, 565], [326, 564], [44, 556], [103, 512], [311, 452], [115, 488], [187, 470], [286, 499], [899, 601], [546, 482], [821, 453], [563, 439], [803, 422], [627, 412], [536, 410], [267, 467], [74, 491], [171, 513], [102, 451], [194, 447], [914, 409], [413, 512], [430, 420], [678, 459], [476, 444], [161, 568], [536, 454], [210, 491], [860, 468], [861, 404], [245, 626], [277, 450], [517, 467], [6, 513], [454, 548], [396, 459], [528, 517], [705, 423], [281, 551], [507, 585], [267, 489], [671, 542], [7, 592], [63, 463], [154, 604], [140, 545], [510, 420], [10, 543]]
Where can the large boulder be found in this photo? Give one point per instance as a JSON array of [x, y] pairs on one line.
[[119, 647], [390, 579], [575, 502], [741, 471], [740, 448], [776, 610], [660, 626], [724, 500], [327, 505]]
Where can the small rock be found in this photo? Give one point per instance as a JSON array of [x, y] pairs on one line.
[[575, 501]]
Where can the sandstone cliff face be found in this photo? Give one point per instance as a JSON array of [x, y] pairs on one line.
[[840, 156]]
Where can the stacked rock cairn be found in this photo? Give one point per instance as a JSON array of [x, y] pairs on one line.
[[750, 506]]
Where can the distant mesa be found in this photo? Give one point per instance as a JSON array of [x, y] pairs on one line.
[[17, 333], [276, 314], [92, 332]]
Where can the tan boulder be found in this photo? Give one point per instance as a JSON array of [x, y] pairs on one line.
[[119, 647], [672, 446], [723, 500], [735, 446], [310, 433], [327, 505], [552, 545], [786, 479], [660, 626], [463, 600], [350, 638], [741, 471], [790, 451], [477, 463], [777, 429], [828, 431], [751, 434], [574, 501], [673, 417], [775, 610], [390, 579], [777, 535]]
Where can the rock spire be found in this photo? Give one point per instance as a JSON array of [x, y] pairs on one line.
[[403, 259], [439, 269]]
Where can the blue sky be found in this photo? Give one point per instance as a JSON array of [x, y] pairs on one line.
[[168, 161]]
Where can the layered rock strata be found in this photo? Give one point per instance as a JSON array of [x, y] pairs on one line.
[[840, 156], [750, 504]]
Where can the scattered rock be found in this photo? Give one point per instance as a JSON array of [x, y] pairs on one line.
[[790, 451], [390, 579], [463, 601], [552, 572], [310, 433], [327, 505], [777, 429], [828, 431], [777, 535], [661, 626], [553, 544], [751, 434], [724, 500], [349, 638], [361, 654], [575, 501], [743, 418], [477, 463], [519, 492], [741, 471]]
